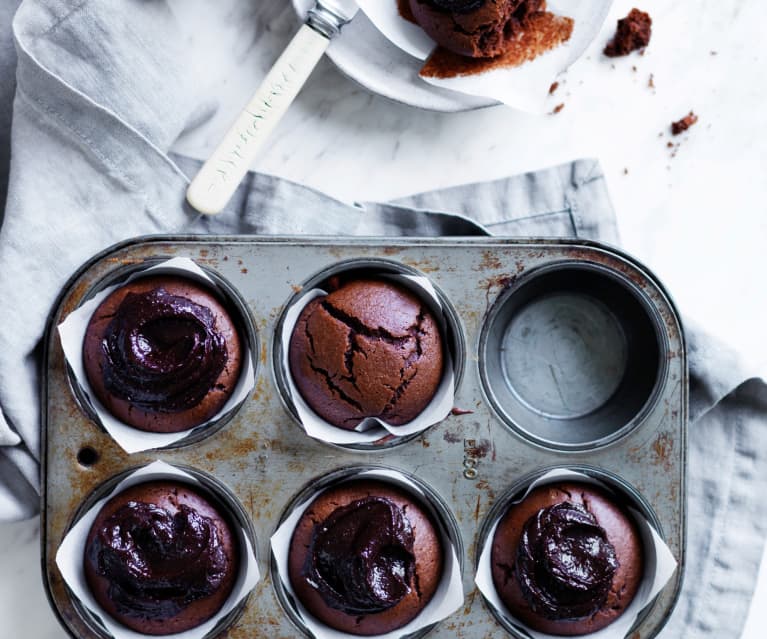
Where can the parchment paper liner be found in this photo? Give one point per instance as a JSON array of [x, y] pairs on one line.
[[72, 333], [372, 428], [69, 558], [446, 600], [659, 566]]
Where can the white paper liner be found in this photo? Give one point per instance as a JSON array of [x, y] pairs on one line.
[[660, 565], [525, 87], [72, 333], [69, 559], [409, 37], [446, 600], [372, 428]]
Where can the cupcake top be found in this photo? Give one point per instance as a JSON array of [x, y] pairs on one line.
[[565, 563], [568, 559], [365, 558], [371, 348], [473, 28], [162, 354], [161, 558], [361, 557]]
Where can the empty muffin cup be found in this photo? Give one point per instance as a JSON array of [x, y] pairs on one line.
[[368, 354], [216, 545], [161, 354], [571, 551], [573, 355], [367, 551]]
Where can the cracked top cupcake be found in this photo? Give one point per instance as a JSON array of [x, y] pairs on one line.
[[365, 558], [371, 348], [474, 28], [567, 560]]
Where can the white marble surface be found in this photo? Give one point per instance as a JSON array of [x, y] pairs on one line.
[[697, 218]]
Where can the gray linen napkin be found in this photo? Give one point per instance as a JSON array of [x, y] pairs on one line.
[[104, 89]]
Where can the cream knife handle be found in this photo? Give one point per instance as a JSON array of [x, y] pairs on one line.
[[219, 177]]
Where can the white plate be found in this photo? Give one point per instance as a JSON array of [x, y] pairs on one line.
[[362, 53]]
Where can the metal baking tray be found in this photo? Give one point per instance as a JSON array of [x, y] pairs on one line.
[[499, 292]]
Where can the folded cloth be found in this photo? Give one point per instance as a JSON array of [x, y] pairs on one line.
[[105, 87]]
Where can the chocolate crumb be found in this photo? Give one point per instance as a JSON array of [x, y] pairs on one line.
[[625, 171], [680, 126], [558, 108], [670, 144], [460, 411], [553, 88], [633, 33]]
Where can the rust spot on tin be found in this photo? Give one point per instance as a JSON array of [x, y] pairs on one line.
[[391, 250], [663, 447], [263, 353], [297, 288], [452, 438], [204, 252], [425, 443], [244, 271], [76, 294], [426, 266], [481, 448], [490, 261], [494, 286], [460, 411], [469, 602], [260, 390], [477, 508]]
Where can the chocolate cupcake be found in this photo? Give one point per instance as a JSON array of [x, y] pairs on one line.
[[371, 348], [162, 354], [365, 558], [474, 28], [161, 558], [567, 560]]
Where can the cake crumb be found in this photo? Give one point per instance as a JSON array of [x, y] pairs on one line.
[[625, 171], [651, 81], [558, 108], [670, 144], [680, 126], [553, 88], [633, 33]]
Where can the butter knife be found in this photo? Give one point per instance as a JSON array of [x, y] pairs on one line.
[[219, 177]]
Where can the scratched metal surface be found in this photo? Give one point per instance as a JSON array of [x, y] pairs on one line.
[[264, 458]]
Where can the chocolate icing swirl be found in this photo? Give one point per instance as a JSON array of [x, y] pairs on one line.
[[361, 560], [458, 6], [158, 563], [162, 351], [565, 564]]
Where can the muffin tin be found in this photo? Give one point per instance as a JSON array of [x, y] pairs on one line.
[[599, 381]]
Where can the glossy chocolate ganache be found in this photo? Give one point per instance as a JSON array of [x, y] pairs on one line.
[[157, 563], [457, 6], [361, 558], [565, 563], [162, 351]]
